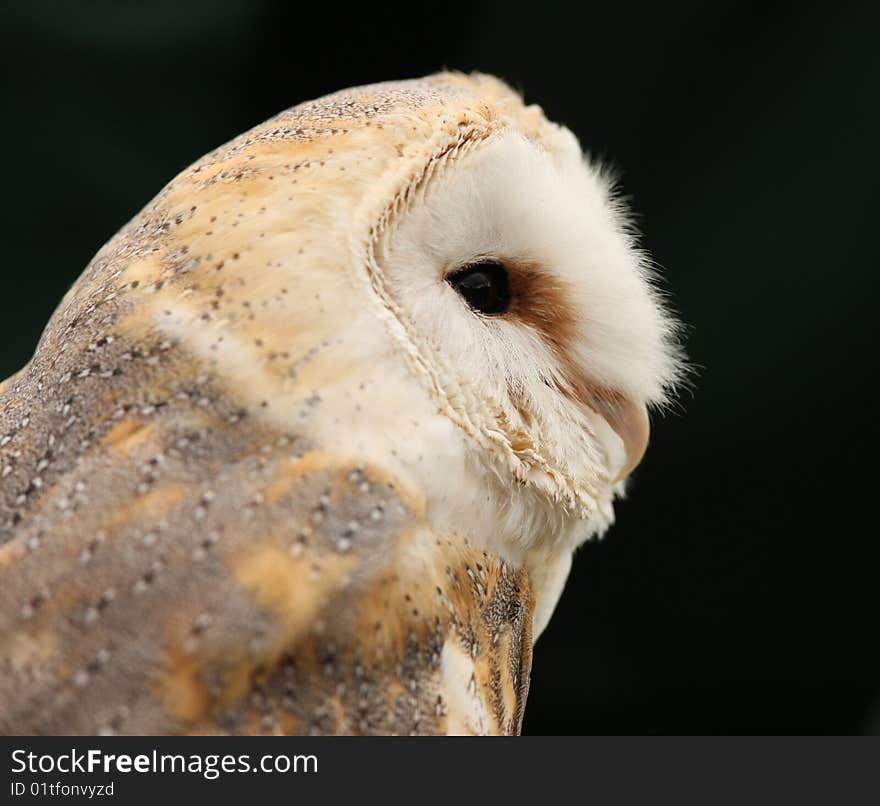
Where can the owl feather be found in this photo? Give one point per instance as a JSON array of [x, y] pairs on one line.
[[309, 445]]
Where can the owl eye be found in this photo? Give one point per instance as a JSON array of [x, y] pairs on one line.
[[483, 286]]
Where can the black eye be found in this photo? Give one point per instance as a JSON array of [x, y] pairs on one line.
[[483, 286]]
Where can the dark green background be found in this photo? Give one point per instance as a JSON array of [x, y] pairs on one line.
[[738, 591]]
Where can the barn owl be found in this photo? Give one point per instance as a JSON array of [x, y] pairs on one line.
[[309, 445]]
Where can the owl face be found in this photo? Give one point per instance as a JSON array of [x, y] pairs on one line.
[[518, 278]]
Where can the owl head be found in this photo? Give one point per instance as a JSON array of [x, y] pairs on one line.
[[426, 276]]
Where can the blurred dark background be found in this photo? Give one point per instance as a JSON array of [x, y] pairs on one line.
[[738, 591]]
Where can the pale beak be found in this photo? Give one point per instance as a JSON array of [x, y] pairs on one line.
[[630, 422]]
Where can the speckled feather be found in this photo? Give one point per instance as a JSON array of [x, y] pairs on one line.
[[268, 472], [180, 551]]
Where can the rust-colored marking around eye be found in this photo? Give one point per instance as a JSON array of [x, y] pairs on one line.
[[541, 301]]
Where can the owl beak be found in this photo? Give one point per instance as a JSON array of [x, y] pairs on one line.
[[629, 419]]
